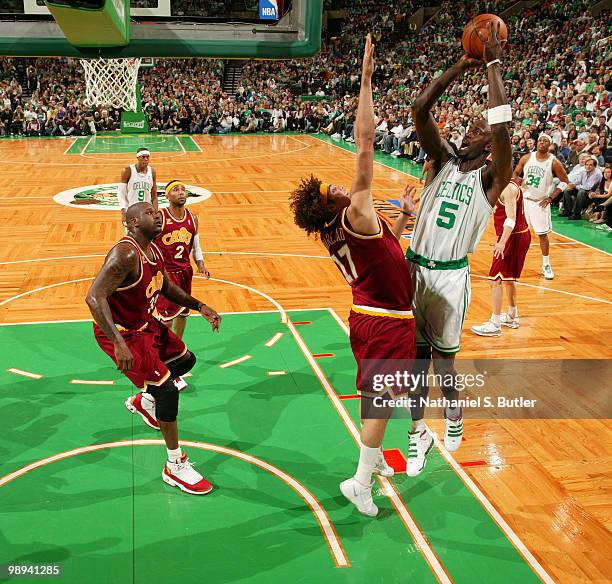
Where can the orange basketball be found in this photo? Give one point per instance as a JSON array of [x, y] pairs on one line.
[[472, 44]]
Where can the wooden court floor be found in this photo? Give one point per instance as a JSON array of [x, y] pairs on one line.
[[550, 480]]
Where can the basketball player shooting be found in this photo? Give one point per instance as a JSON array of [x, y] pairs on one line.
[[138, 183], [456, 204], [368, 254], [122, 299]]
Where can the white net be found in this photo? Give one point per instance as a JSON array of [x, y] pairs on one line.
[[111, 82]]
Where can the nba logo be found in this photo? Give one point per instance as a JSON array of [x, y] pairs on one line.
[[268, 9]]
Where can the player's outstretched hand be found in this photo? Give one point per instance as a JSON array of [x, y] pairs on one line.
[[368, 58], [211, 315], [498, 250], [202, 269], [123, 357], [492, 44], [407, 203], [466, 62]]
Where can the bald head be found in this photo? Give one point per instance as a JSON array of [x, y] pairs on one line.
[[144, 219], [136, 210]]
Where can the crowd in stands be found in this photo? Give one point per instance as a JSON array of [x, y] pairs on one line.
[[555, 68]]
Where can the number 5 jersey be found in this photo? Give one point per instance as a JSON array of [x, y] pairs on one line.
[[452, 217]]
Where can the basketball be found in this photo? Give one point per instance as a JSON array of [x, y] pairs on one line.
[[472, 44]]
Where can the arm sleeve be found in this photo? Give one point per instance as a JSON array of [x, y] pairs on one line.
[[122, 195], [197, 250]]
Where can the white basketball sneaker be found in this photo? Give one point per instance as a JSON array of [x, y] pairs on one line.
[[182, 475], [382, 468], [419, 445], [145, 407], [548, 272], [360, 496], [487, 329], [509, 321], [453, 433]]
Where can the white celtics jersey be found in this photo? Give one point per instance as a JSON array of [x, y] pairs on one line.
[[537, 177], [453, 214], [139, 185]]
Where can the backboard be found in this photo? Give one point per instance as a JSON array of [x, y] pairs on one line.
[[177, 28]]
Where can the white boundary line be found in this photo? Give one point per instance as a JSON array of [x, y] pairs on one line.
[[415, 178], [281, 310], [263, 254], [327, 528], [192, 314], [72, 143], [419, 538], [471, 485], [84, 149], [7, 300], [552, 290], [195, 143], [176, 139]]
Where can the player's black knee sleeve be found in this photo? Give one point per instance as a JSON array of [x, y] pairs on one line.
[[182, 365], [166, 401]]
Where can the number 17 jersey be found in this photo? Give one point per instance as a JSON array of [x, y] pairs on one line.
[[452, 216], [373, 265]]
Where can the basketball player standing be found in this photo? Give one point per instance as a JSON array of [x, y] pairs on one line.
[[456, 204], [122, 300], [367, 253], [179, 238], [538, 169], [138, 183]]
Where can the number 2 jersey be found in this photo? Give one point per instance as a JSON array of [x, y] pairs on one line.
[[176, 239], [373, 265], [452, 216]]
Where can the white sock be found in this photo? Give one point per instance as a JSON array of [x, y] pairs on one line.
[[512, 311], [174, 455], [367, 461], [496, 319], [417, 426], [545, 260]]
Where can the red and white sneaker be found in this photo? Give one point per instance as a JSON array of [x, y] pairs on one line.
[[145, 407], [180, 383], [185, 477]]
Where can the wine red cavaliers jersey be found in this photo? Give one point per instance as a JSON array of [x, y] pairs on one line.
[[133, 305], [373, 265], [500, 214], [176, 239]]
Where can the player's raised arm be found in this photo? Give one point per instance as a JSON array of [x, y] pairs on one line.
[[361, 212], [497, 175], [426, 128], [119, 264], [407, 207]]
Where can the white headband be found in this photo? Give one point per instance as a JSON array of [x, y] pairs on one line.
[[542, 135], [143, 153]]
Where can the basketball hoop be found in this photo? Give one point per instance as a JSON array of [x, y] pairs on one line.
[[111, 82]]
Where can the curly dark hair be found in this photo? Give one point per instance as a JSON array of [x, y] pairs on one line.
[[308, 210]]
